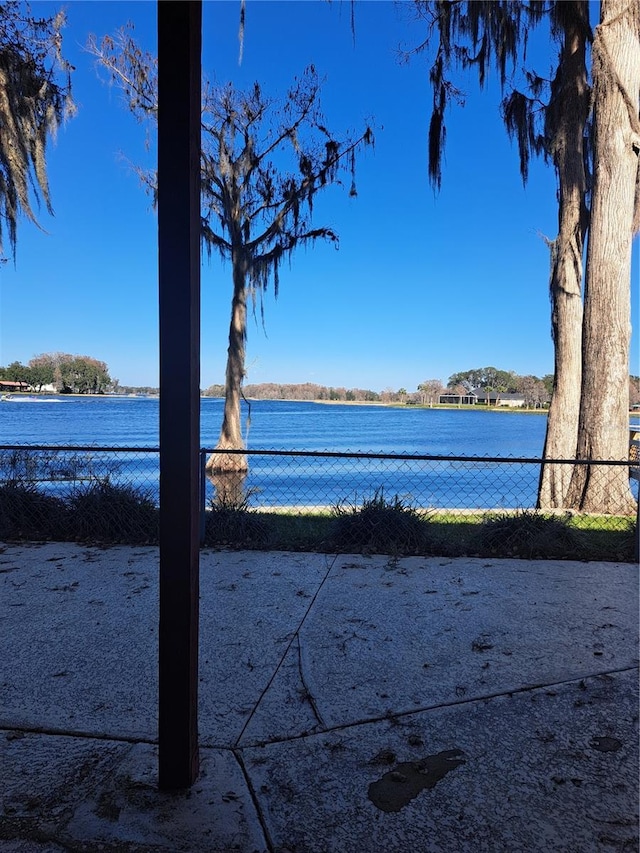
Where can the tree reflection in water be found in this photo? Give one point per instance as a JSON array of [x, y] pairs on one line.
[[229, 489]]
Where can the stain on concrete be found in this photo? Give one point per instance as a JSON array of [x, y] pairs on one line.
[[393, 791], [606, 744], [482, 643], [385, 756]]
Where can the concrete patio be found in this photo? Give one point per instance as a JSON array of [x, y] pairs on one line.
[[348, 704]]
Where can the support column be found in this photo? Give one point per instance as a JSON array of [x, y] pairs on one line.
[[179, 95]]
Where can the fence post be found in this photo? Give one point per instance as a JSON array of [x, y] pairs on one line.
[[203, 494]]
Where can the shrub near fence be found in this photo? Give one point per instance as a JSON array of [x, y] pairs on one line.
[[107, 495], [348, 502]]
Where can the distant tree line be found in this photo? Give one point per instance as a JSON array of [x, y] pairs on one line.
[[61, 372], [82, 374], [536, 391], [303, 391], [138, 390]]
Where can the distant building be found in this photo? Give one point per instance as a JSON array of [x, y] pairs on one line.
[[481, 397], [496, 398], [10, 385], [459, 399]]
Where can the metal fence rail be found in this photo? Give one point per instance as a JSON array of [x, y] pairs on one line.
[[111, 493], [300, 479]]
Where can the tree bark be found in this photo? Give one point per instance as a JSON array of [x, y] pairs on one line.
[[231, 431], [564, 127], [603, 429]]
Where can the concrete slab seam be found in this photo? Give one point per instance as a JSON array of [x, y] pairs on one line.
[[294, 636]]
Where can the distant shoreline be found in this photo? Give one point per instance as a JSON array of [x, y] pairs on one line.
[[379, 403], [444, 407], [392, 405], [437, 407]]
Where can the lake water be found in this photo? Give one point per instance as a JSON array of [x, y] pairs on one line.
[[280, 425], [276, 480], [284, 425]]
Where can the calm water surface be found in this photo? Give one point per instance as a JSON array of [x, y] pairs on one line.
[[279, 425]]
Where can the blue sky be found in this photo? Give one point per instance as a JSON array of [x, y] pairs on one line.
[[422, 286]]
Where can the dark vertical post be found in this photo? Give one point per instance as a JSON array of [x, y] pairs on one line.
[[179, 72], [203, 494]]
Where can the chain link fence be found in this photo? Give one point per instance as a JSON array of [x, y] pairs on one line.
[[334, 502]]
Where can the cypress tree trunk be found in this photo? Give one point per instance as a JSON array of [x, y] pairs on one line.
[[231, 431], [564, 128], [603, 430]]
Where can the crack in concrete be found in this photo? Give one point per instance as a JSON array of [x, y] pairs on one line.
[[268, 842], [132, 739], [396, 715], [294, 637], [76, 733], [308, 695]]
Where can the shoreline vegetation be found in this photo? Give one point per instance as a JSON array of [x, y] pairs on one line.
[[103, 513]]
